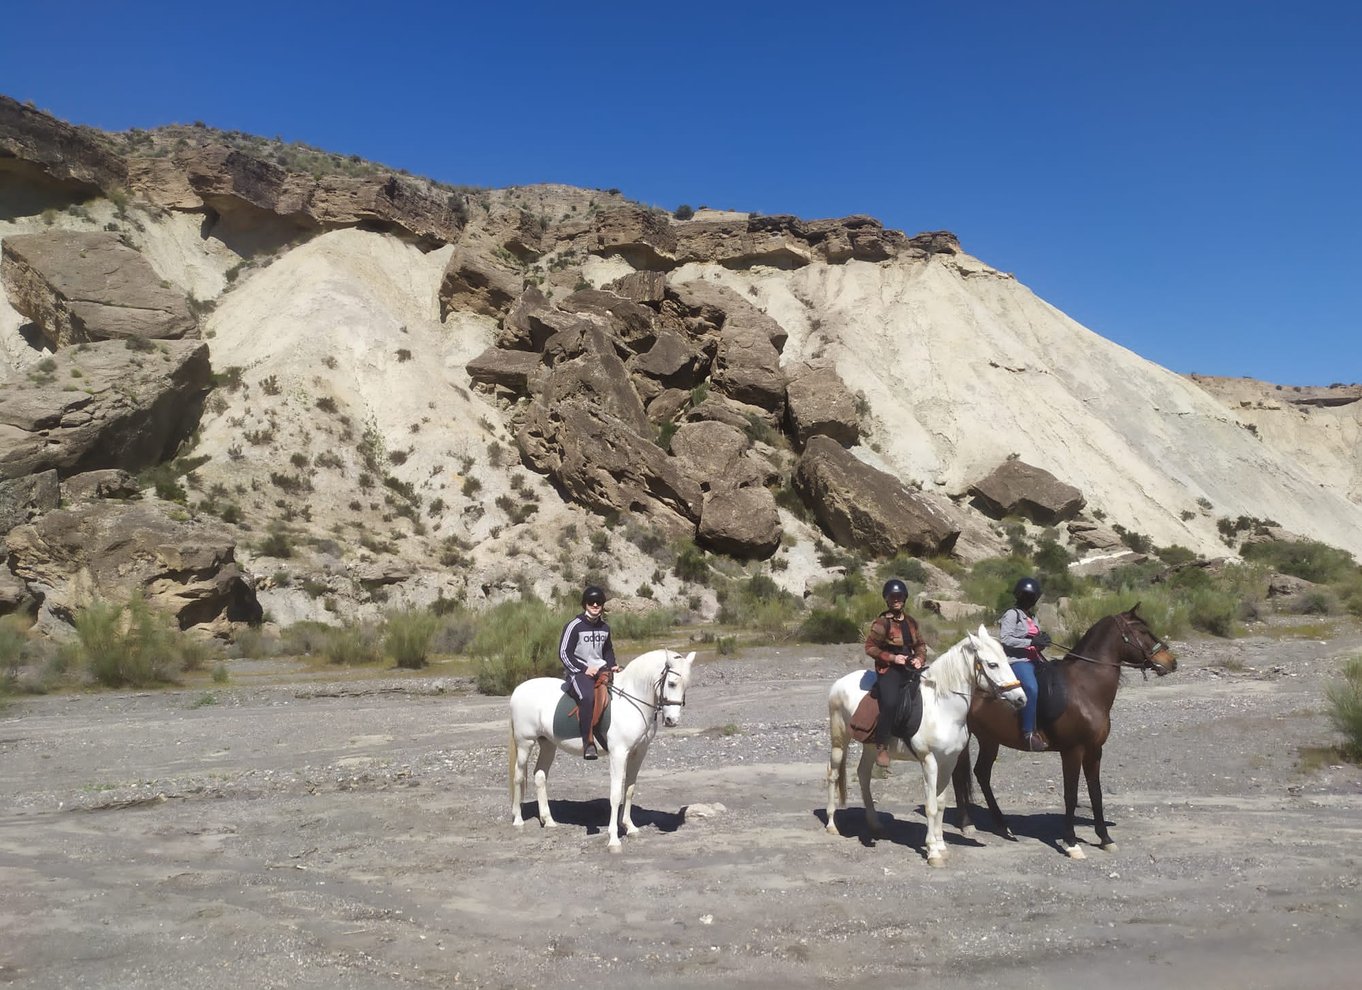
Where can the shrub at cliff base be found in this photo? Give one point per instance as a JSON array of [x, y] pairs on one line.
[[124, 645], [407, 636], [1345, 707], [514, 642]]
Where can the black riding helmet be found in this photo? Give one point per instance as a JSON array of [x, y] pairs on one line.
[[894, 588], [1027, 592], [593, 596]]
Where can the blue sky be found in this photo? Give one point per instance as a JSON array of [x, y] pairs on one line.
[[1179, 176]]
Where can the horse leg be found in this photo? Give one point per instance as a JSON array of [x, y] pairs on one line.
[[631, 769], [520, 758], [618, 759], [872, 817], [837, 780], [1092, 772], [960, 777], [983, 773], [547, 751], [933, 783], [1073, 758]]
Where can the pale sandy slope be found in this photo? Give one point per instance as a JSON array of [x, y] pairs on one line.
[[962, 366]]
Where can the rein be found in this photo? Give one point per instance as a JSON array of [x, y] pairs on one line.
[[1127, 636], [658, 687]]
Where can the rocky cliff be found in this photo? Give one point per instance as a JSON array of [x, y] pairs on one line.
[[423, 390]]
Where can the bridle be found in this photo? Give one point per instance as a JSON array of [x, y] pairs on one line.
[[1148, 654], [659, 692], [997, 690]]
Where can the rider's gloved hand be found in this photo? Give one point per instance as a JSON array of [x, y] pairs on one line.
[[1041, 640]]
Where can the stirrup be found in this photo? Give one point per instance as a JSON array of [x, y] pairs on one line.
[[589, 751]]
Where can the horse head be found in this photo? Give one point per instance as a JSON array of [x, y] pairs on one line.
[[1151, 653], [671, 686], [992, 671]]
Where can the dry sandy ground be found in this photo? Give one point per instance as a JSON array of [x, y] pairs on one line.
[[356, 834]]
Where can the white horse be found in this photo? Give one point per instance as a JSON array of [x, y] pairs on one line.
[[976, 663], [651, 685]]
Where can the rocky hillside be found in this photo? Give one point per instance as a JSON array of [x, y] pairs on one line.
[[350, 388]]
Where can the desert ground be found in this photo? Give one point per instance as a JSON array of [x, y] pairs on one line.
[[292, 828]]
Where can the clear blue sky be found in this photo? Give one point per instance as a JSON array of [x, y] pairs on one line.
[[1182, 177]]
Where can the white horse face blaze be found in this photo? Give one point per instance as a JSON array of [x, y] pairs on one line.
[[994, 670]]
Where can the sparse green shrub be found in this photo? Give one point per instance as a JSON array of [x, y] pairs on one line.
[[516, 641], [407, 635], [124, 645], [651, 627], [1345, 707], [830, 625], [1308, 559], [270, 385], [277, 544], [352, 644], [683, 212], [691, 565]]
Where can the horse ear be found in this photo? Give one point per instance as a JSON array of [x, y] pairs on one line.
[[690, 658], [983, 632], [1133, 608]]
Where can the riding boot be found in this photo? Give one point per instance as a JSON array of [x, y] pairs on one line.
[[1035, 742], [882, 761]]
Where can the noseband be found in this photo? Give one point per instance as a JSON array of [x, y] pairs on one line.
[[997, 690]]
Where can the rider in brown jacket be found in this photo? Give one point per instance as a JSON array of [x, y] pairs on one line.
[[895, 644]]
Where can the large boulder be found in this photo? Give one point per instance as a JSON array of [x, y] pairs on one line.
[[511, 370], [479, 280], [103, 550], [111, 404], [820, 402], [631, 323], [645, 288], [1015, 488], [741, 522], [82, 286], [532, 320], [716, 456], [862, 507], [747, 357], [673, 361]]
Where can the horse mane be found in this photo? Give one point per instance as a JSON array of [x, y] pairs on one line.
[[952, 671], [1096, 629], [645, 669]]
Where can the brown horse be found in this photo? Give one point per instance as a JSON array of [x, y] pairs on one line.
[[1087, 677]]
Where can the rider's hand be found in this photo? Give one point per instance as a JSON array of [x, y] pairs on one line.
[[1041, 640]]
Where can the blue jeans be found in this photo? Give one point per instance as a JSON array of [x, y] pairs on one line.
[[1026, 673]]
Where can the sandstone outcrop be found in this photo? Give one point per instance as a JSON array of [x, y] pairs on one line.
[[21, 499], [715, 456], [511, 370], [80, 287], [106, 550], [862, 507], [1015, 488], [36, 142], [104, 405]]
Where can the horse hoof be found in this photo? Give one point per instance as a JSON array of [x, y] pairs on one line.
[[549, 823], [518, 823], [831, 829], [616, 847], [936, 861], [1108, 847], [1074, 852], [967, 830]]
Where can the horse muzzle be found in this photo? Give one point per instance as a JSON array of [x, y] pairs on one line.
[[1164, 662]]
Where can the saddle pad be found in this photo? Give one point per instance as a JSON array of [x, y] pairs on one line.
[[867, 716], [864, 720], [1052, 692], [566, 724]]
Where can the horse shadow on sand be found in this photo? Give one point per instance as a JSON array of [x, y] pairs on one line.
[[1044, 827], [594, 815]]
